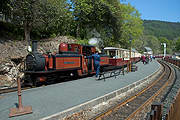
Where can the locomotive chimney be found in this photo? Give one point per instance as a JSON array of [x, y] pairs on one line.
[[34, 46]]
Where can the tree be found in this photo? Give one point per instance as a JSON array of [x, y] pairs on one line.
[[5, 8], [132, 27], [39, 15], [25, 13], [138, 44], [178, 45], [58, 18], [168, 44], [149, 41], [114, 21], [89, 15]]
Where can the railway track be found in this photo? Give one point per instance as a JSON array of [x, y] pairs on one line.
[[12, 89], [129, 108], [25, 87]]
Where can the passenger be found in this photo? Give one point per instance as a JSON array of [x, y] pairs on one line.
[[151, 57], [154, 57], [147, 59], [143, 59], [96, 58]]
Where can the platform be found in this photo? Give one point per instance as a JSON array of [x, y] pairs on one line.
[[53, 99]]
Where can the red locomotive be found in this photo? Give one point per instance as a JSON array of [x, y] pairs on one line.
[[70, 61]]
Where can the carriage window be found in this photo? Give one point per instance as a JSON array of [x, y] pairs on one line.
[[112, 54]]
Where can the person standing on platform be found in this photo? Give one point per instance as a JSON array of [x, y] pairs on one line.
[[147, 59], [96, 58], [151, 57], [143, 59]]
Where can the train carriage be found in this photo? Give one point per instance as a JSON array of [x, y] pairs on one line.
[[121, 57]]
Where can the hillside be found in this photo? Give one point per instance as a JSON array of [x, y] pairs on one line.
[[170, 30]]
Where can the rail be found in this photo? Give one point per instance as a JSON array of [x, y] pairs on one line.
[[11, 89], [173, 112], [129, 108]]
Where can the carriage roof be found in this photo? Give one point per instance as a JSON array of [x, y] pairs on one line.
[[114, 48]]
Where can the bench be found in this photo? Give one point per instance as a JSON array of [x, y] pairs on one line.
[[112, 71]]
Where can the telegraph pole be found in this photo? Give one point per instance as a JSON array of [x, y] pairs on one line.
[[164, 44], [130, 56]]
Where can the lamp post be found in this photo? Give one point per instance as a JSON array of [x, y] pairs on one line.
[[164, 44], [130, 56]]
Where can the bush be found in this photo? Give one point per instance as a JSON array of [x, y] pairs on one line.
[[53, 35]]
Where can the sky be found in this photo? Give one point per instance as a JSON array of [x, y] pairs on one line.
[[163, 10]]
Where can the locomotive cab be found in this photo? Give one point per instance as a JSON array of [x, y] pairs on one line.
[[69, 48]]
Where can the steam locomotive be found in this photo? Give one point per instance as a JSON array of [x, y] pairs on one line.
[[71, 61]]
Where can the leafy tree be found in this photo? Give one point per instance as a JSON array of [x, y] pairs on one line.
[[131, 24], [178, 45], [57, 19], [164, 40], [44, 16], [5, 8], [168, 44], [114, 21], [91, 14], [138, 44], [149, 41], [26, 13]]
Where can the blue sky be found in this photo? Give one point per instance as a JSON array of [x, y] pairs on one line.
[[164, 10]]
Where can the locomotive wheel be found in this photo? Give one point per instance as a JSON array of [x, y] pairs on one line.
[[74, 75], [28, 81], [52, 78], [34, 82]]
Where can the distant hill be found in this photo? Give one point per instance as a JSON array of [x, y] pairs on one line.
[[170, 30]]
